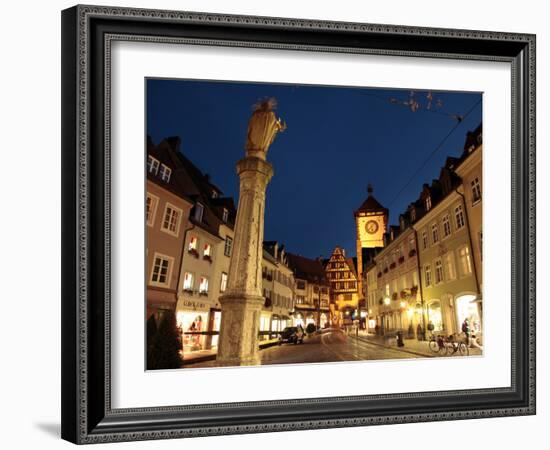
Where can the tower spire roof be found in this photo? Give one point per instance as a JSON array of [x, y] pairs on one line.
[[371, 204]]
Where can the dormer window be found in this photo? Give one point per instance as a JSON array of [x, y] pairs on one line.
[[428, 203], [225, 215], [214, 194], [413, 214], [165, 173], [152, 165], [402, 223], [199, 211]]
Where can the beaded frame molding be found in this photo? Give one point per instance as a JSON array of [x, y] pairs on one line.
[[87, 34]]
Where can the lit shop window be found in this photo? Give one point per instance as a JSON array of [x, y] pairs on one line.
[[153, 165], [203, 286], [188, 281]]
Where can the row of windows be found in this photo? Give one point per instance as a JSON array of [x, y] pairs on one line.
[[435, 229], [475, 189], [275, 275], [155, 167], [339, 275], [301, 284], [397, 285], [344, 285], [444, 269], [203, 283], [278, 299], [301, 300], [193, 248], [337, 265], [171, 217], [399, 253]]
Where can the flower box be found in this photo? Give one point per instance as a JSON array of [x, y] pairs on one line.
[[194, 252], [207, 258]]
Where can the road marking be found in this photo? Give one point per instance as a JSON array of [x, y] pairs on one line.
[[330, 349]]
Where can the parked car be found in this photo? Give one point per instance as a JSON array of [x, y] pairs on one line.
[[292, 335]]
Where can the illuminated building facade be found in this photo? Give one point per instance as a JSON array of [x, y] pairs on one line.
[[311, 292], [341, 273]]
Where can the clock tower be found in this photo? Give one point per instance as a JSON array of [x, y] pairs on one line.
[[371, 222]]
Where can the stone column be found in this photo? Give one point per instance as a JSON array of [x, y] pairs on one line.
[[242, 302]]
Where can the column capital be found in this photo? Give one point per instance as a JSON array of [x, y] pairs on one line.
[[254, 165]]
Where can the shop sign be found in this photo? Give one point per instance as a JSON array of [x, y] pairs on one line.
[[194, 305]]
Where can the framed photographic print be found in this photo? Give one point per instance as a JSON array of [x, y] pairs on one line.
[[281, 224]]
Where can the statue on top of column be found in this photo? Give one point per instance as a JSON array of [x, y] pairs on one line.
[[263, 126]]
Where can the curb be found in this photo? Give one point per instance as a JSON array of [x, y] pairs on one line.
[[412, 352]]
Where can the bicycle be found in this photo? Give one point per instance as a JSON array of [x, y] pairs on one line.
[[447, 345], [436, 343], [453, 346]]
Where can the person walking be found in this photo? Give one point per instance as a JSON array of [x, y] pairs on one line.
[[419, 332], [466, 330]]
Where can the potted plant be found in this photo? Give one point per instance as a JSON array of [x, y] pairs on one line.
[[207, 258], [194, 252]]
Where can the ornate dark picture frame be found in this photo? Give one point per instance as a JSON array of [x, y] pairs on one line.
[[87, 33]]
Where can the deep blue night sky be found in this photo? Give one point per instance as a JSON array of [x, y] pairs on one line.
[[337, 141]]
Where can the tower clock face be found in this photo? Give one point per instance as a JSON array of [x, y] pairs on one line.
[[371, 226]]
